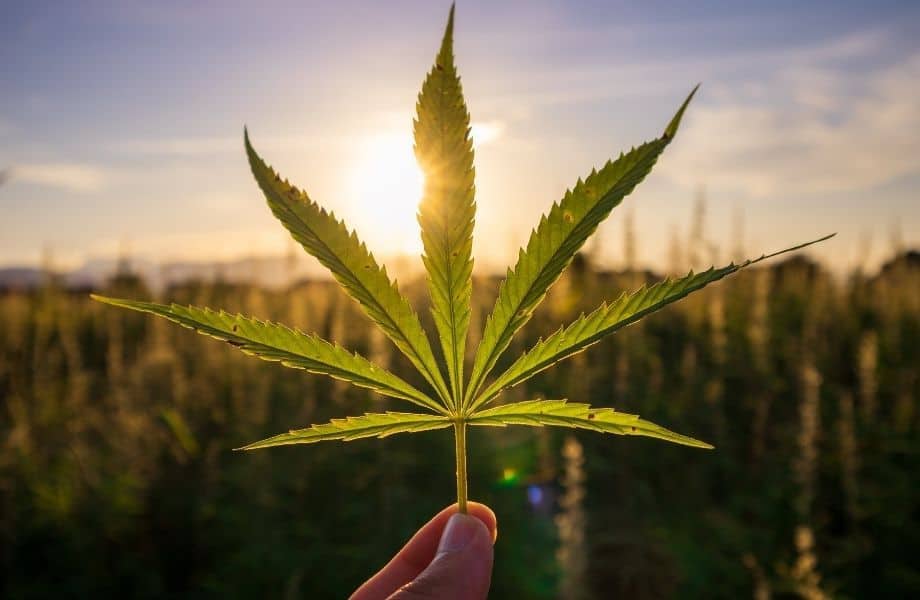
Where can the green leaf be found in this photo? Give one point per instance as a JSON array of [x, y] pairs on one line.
[[579, 416], [353, 428], [274, 342], [608, 318], [447, 210], [444, 150], [352, 265], [554, 243]]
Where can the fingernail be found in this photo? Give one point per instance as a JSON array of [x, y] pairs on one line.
[[460, 531]]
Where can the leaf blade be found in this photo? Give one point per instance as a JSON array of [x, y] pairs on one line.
[[562, 413], [325, 237], [590, 328], [278, 343], [553, 244], [353, 428], [444, 150]]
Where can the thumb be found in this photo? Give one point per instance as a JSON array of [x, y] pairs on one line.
[[462, 567]]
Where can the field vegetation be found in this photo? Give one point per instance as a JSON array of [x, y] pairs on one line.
[[117, 475]]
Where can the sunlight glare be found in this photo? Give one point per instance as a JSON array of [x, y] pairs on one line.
[[386, 187]]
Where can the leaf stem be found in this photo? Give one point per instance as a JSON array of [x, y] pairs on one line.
[[460, 439]]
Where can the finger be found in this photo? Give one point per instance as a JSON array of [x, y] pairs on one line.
[[462, 566], [416, 555]]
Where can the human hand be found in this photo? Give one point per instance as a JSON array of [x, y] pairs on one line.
[[449, 558]]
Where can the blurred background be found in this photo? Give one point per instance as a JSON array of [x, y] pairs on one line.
[[122, 171]]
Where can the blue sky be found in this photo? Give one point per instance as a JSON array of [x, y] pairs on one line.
[[121, 122]]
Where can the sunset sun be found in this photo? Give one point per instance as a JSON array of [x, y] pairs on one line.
[[385, 189]]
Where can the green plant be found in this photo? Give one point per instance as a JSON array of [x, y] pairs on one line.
[[446, 215]]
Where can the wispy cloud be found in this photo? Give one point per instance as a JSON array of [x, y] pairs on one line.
[[193, 147], [486, 132], [72, 177], [806, 129], [196, 245], [602, 78], [180, 147]]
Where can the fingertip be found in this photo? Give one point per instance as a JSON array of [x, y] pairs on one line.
[[461, 531], [421, 549], [486, 515]]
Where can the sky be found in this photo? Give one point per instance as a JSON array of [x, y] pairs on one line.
[[121, 122]]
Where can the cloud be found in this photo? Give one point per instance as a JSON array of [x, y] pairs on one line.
[[65, 176], [810, 128], [486, 132], [180, 147], [205, 146], [195, 244]]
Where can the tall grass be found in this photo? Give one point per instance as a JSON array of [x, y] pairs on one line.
[[116, 475]]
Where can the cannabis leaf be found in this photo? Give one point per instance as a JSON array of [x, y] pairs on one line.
[[581, 416], [446, 213], [554, 243], [444, 149], [274, 342], [352, 265], [354, 428], [591, 328]]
